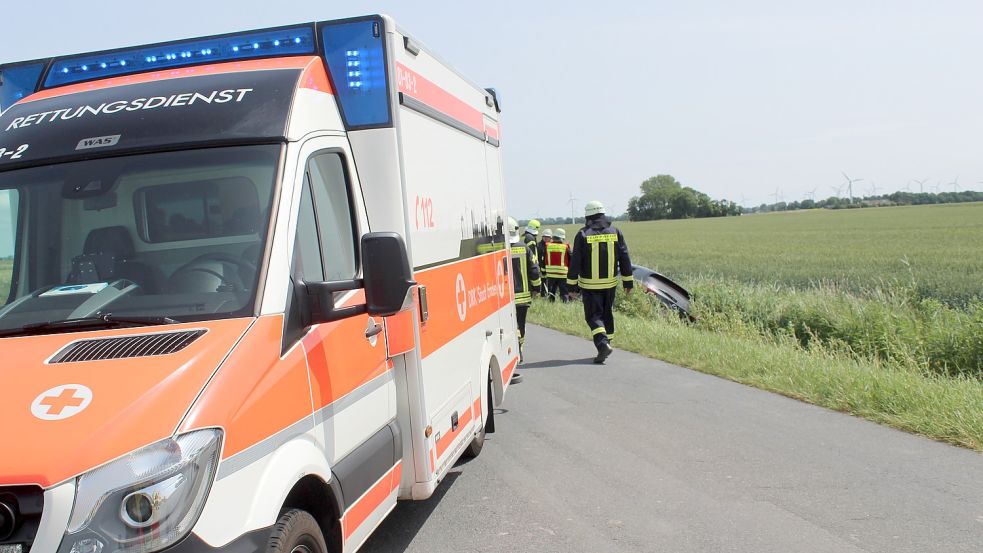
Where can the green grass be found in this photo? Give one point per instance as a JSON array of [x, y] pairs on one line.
[[949, 409], [6, 269], [892, 325]]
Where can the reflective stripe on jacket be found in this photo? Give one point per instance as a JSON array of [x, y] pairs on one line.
[[600, 257], [557, 260], [525, 273]]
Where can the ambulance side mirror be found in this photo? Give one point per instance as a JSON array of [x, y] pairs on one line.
[[386, 273]]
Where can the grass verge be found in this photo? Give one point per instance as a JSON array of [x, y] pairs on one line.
[[944, 408], [892, 325]]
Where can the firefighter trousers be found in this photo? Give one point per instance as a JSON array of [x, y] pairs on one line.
[[557, 288], [520, 319], [599, 314]]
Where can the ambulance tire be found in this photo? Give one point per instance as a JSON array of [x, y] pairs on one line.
[[296, 532], [474, 448]]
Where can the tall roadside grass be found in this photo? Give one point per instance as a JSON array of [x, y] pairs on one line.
[[892, 325], [823, 372]]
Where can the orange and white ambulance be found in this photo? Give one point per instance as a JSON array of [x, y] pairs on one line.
[[253, 289]]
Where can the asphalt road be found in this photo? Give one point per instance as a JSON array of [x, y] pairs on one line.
[[640, 455]]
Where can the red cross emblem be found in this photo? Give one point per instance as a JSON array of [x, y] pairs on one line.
[[61, 402], [461, 297]]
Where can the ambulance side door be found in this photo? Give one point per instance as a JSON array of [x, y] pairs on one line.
[[352, 383]]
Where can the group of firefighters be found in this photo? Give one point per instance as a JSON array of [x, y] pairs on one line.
[[543, 262]]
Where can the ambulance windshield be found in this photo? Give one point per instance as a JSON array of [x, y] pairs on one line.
[[171, 234]]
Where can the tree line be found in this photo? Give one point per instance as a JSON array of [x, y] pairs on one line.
[[663, 197], [884, 200]]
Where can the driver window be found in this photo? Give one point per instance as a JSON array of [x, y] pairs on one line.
[[8, 230], [307, 249], [326, 174]]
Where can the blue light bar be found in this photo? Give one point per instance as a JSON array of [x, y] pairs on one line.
[[18, 81], [286, 41], [355, 53]]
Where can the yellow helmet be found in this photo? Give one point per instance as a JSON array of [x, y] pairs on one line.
[[532, 227]]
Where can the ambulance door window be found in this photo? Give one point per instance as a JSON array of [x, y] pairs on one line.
[[336, 227], [306, 266], [8, 238]]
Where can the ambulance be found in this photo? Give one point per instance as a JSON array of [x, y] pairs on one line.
[[254, 289]]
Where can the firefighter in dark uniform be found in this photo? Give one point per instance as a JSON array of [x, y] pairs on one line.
[[545, 237], [599, 260], [531, 234], [525, 278]]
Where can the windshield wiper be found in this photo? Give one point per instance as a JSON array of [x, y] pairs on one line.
[[102, 321], [139, 320]]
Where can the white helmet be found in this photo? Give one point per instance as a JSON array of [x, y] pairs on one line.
[[547, 233], [560, 233], [513, 231], [593, 208]]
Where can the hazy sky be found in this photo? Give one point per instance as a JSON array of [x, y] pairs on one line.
[[734, 98]]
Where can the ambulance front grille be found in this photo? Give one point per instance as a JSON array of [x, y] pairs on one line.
[[145, 345], [20, 517]]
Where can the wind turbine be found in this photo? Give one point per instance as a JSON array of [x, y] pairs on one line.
[[777, 195], [955, 184], [573, 217], [873, 188], [811, 194], [849, 184], [838, 189], [743, 200], [921, 184]]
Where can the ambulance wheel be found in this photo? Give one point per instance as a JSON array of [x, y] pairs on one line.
[[474, 448], [296, 532]]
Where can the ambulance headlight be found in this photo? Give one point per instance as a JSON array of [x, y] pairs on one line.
[[145, 501]]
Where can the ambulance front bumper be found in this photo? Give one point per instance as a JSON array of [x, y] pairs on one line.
[[56, 511], [58, 502]]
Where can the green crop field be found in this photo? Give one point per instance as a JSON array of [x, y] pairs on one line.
[[878, 312], [938, 249]]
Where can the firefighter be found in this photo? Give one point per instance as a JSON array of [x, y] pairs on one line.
[[541, 246], [540, 251], [599, 260], [556, 266], [525, 279], [531, 234]]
